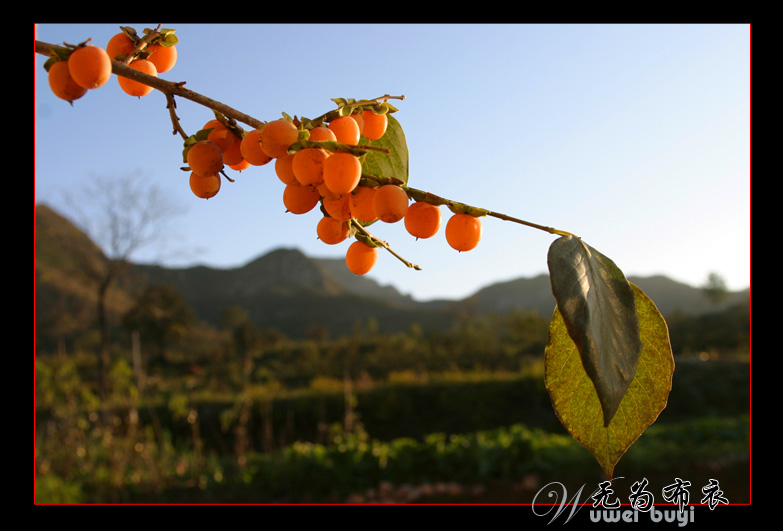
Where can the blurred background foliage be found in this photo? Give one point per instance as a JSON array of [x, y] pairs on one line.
[[241, 414], [170, 390]]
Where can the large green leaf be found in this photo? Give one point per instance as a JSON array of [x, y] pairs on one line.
[[391, 164], [575, 399], [598, 307]]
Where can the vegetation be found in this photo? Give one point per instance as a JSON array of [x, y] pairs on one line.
[[607, 367], [242, 414], [461, 438]]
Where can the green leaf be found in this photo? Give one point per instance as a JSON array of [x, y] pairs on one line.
[[598, 307], [575, 399], [391, 164]]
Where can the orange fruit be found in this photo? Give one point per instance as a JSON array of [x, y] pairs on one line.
[[205, 186], [422, 219], [332, 231], [339, 208], [326, 193], [120, 44], [390, 203], [300, 199], [359, 119], [284, 170], [463, 232], [205, 158], [308, 166], [163, 57], [321, 133], [342, 172], [62, 84], [233, 154], [90, 66], [277, 136], [361, 258], [362, 204], [374, 125], [134, 88], [251, 148], [239, 166], [214, 124], [220, 134], [346, 130]]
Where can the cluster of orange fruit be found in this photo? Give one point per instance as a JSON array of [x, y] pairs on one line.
[[312, 174], [88, 67], [316, 175]]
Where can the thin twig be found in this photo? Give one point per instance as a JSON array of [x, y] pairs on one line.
[[380, 243], [421, 195], [172, 89]]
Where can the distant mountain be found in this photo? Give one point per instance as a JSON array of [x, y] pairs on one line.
[[294, 293], [535, 294]]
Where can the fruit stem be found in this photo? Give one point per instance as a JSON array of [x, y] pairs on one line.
[[171, 105], [454, 206], [420, 195], [380, 243]]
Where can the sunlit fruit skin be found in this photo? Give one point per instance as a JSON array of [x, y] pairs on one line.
[[233, 154], [239, 166], [214, 124], [205, 158], [277, 136], [422, 220], [326, 193], [300, 199], [204, 186], [322, 133], [163, 57], [390, 203], [346, 130], [250, 147], [284, 170], [332, 231], [361, 258], [90, 66], [362, 204], [62, 84], [374, 125], [119, 45], [342, 172], [134, 88], [220, 135], [463, 232], [308, 166], [339, 208], [359, 119]]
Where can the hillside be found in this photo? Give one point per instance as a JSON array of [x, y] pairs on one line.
[[67, 267], [292, 292], [535, 294]]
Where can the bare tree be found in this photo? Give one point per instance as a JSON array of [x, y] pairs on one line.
[[122, 215]]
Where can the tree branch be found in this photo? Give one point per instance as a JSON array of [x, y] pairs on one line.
[[170, 88]]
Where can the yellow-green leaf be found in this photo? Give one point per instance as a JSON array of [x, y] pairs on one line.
[[391, 164], [575, 399], [598, 307]]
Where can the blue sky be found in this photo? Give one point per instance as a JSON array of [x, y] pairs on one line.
[[634, 137]]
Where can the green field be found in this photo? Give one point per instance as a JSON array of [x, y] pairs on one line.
[[453, 437]]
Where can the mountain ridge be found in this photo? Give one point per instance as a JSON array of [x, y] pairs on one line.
[[293, 292]]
